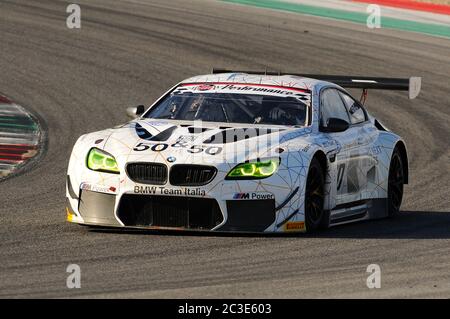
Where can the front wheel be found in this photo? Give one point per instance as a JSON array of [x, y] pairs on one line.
[[395, 183], [315, 216]]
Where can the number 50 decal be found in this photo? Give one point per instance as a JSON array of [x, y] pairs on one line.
[[211, 150], [154, 147], [159, 147]]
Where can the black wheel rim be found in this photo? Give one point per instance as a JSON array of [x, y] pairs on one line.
[[396, 181], [314, 195]]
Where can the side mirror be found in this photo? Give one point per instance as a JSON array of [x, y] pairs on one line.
[[335, 125], [135, 111]]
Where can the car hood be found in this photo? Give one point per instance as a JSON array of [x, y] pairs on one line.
[[193, 142]]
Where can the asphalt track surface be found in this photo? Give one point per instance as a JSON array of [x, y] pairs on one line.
[[130, 52]]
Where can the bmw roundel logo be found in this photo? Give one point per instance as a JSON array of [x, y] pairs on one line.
[[171, 159]]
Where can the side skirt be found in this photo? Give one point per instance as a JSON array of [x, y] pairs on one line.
[[360, 210]]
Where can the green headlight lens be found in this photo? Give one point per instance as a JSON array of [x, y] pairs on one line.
[[98, 160], [254, 170]]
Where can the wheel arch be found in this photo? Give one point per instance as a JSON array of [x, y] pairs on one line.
[[404, 156], [322, 158]]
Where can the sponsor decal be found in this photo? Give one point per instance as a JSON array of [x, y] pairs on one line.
[[252, 87], [98, 188], [194, 149], [354, 108], [303, 95], [184, 139], [160, 190], [306, 148], [294, 226], [205, 87], [253, 196]]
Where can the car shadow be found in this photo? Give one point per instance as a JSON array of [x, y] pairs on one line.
[[407, 225]]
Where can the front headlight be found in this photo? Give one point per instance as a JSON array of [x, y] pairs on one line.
[[99, 160], [254, 170]]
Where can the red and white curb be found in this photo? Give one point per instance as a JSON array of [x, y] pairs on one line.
[[411, 5], [20, 136]]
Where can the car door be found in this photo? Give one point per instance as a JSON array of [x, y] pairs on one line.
[[350, 178], [362, 163]]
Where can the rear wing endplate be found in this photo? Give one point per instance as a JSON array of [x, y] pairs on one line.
[[412, 84]]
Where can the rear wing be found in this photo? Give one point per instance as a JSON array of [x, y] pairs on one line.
[[412, 84]]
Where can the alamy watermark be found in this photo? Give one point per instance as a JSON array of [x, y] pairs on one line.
[[374, 279], [74, 279], [73, 21], [374, 18]]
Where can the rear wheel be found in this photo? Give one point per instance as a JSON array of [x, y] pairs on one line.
[[314, 197], [395, 183]]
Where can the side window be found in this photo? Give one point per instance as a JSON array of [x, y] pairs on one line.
[[355, 110], [332, 106]]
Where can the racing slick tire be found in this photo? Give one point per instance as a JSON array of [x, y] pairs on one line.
[[315, 216], [396, 182]]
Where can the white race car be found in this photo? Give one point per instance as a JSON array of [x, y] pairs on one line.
[[241, 151]]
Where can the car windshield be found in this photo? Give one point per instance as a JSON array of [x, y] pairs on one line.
[[240, 105]]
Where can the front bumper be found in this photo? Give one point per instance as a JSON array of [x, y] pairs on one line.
[[171, 212], [176, 208]]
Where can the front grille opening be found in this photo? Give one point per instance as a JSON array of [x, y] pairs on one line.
[[165, 211], [147, 173], [191, 175]]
